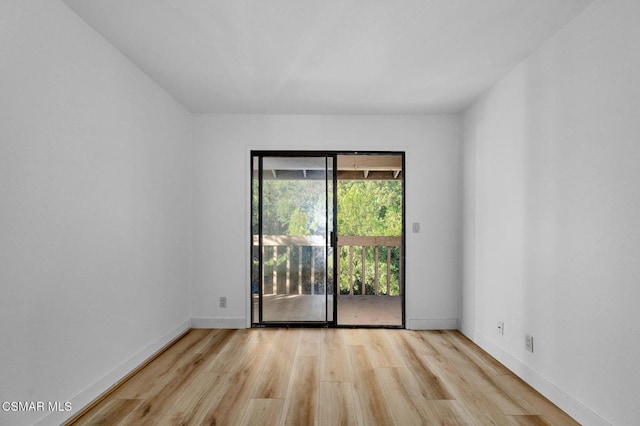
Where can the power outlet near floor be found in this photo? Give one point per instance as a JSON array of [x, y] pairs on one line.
[[501, 328], [223, 302], [528, 343]]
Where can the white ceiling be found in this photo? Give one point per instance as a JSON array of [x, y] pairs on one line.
[[326, 56]]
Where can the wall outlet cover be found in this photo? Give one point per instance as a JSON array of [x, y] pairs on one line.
[[528, 343]]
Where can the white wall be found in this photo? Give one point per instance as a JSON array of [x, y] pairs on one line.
[[222, 145], [94, 211], [552, 222]]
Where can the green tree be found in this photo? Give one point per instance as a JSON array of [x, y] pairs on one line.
[[370, 208], [298, 223]]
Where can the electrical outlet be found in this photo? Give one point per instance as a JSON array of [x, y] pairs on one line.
[[223, 302], [528, 343], [501, 328]]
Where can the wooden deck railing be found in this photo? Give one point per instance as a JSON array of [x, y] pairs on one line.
[[376, 242], [286, 244]]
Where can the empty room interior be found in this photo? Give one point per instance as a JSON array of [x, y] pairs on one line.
[[319, 212]]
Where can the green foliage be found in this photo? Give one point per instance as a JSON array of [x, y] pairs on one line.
[[294, 207], [370, 207], [297, 207], [298, 224]]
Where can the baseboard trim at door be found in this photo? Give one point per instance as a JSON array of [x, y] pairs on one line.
[[219, 322], [548, 389], [432, 324], [87, 399]]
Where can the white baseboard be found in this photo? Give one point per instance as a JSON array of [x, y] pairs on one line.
[[218, 322], [432, 324], [466, 330], [559, 397], [96, 389]]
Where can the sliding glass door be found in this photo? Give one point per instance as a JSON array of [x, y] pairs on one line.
[[293, 237]]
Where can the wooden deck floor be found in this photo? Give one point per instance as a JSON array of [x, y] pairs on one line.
[[369, 310], [352, 310], [324, 377]]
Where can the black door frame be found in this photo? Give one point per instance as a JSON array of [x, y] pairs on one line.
[[332, 239]]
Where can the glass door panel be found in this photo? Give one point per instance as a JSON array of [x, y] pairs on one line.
[[296, 276], [369, 267]]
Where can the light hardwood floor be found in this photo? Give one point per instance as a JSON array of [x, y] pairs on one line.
[[325, 377]]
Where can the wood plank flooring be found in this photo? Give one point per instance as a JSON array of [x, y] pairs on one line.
[[324, 377]]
